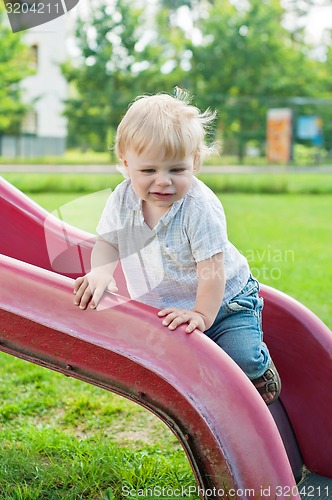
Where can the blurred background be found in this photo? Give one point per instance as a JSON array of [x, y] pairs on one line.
[[264, 65]]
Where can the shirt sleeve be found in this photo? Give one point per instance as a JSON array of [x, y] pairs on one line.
[[207, 230], [109, 223]]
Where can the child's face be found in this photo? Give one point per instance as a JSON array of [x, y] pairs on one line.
[[159, 183]]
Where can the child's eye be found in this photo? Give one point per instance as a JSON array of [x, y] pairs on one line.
[[177, 170], [148, 171]]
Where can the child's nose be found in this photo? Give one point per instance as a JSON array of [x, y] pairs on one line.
[[163, 180]]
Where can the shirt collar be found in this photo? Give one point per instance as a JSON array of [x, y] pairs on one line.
[[134, 202], [170, 214]]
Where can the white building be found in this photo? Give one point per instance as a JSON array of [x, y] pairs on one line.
[[44, 129]]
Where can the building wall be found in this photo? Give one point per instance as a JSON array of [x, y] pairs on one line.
[[47, 88]]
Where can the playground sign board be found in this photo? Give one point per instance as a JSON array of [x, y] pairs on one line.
[[279, 135]]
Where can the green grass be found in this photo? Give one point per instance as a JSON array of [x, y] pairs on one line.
[[71, 157], [287, 241], [302, 156], [63, 439], [76, 157], [62, 183], [269, 183], [286, 238]]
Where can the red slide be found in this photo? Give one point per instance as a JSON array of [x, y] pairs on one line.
[[232, 440]]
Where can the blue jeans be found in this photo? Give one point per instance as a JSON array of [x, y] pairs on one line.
[[237, 329]]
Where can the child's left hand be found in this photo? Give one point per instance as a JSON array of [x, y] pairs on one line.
[[175, 317]]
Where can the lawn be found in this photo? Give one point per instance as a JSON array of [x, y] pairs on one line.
[[286, 237], [269, 183], [63, 439], [287, 241]]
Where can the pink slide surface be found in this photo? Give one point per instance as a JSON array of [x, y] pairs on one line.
[[226, 430]]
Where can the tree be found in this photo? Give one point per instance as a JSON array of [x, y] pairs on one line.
[[125, 51], [13, 69], [105, 41], [248, 61], [239, 58]]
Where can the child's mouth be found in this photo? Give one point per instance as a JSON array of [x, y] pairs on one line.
[[162, 196]]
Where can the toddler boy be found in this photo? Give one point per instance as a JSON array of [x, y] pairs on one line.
[[169, 231]]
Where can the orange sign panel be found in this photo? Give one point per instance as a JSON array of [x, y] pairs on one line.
[[279, 135]]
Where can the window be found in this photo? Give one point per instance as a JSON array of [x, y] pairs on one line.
[[29, 123]]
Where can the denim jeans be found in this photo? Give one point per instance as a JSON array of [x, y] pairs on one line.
[[237, 329]]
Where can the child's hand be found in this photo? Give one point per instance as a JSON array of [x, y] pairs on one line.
[[89, 289], [175, 317]]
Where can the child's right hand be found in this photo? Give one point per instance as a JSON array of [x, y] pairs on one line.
[[89, 289]]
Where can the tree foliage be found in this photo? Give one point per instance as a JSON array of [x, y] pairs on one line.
[[13, 69], [247, 62], [125, 51], [236, 56]]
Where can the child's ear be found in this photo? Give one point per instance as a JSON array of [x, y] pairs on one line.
[[124, 161]]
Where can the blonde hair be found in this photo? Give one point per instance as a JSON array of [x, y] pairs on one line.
[[172, 124]]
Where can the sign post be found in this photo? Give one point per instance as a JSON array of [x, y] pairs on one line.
[[279, 135]]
